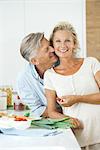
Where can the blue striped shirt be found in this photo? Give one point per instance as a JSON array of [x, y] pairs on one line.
[[30, 88]]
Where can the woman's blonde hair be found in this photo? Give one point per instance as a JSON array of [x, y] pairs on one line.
[[68, 27], [30, 44]]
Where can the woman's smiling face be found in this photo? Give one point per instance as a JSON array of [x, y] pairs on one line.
[[63, 43]]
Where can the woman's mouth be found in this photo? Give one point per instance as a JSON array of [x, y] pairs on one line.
[[63, 50]]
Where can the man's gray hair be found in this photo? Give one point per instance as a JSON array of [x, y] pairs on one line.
[[30, 44]]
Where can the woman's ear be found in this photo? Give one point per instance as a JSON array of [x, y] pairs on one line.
[[34, 61]]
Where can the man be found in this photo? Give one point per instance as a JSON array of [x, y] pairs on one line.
[[36, 50]]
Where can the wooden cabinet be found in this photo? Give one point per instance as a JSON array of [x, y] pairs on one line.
[[93, 28]]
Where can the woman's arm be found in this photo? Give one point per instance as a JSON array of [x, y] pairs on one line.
[[52, 111], [97, 78], [69, 100], [94, 98], [51, 100], [91, 98]]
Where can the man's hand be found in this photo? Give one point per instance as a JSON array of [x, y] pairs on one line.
[[68, 101]]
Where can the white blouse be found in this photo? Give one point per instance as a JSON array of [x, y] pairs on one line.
[[80, 83]]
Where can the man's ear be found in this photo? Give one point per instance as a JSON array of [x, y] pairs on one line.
[[34, 61]]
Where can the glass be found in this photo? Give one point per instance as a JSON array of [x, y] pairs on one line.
[[18, 104]]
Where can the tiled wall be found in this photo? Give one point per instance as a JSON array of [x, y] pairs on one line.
[[93, 27]]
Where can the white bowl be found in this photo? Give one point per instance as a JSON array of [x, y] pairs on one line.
[[21, 124], [6, 123]]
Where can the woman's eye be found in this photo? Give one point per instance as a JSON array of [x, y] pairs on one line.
[[67, 40]]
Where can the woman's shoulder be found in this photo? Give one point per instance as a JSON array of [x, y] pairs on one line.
[[91, 60], [49, 71]]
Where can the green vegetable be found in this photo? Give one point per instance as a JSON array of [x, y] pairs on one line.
[[27, 114]]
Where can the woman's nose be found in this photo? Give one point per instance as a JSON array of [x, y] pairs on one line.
[[63, 45]]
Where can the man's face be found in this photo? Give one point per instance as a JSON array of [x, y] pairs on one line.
[[46, 54]]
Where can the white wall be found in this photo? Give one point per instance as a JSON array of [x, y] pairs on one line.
[[20, 17]]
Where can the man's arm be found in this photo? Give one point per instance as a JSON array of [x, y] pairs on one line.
[[29, 96]]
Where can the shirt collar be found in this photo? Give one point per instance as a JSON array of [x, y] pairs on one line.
[[35, 74]]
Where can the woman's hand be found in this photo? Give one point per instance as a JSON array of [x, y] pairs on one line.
[[76, 123], [68, 101]]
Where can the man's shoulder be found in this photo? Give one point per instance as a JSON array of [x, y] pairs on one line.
[[24, 72]]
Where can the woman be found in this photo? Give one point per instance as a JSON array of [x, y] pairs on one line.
[[76, 83]]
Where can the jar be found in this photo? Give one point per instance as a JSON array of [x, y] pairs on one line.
[[3, 100], [9, 95], [8, 89], [18, 105]]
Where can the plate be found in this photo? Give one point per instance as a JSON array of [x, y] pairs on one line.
[[6, 123], [21, 124]]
